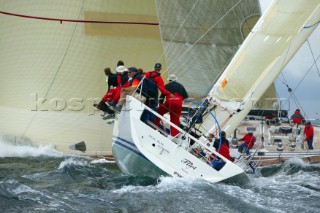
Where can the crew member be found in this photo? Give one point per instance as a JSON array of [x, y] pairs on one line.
[[223, 148], [249, 141], [154, 82], [134, 80], [297, 118], [173, 104], [309, 133]]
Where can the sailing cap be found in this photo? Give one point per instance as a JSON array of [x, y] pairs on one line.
[[157, 65], [133, 69], [172, 77], [121, 69]]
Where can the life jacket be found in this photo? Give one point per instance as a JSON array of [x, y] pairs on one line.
[[142, 86], [152, 87]]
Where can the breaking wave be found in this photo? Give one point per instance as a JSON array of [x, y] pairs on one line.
[[13, 149]]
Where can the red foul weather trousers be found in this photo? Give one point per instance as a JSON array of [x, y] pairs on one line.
[[109, 95], [174, 106]]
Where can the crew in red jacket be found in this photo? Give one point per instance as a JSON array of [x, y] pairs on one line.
[[249, 141], [297, 118], [172, 105], [223, 148], [309, 133], [154, 82]]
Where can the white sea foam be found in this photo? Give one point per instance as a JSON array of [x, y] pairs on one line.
[[8, 149], [74, 162], [102, 161], [23, 189], [165, 184], [17, 188]]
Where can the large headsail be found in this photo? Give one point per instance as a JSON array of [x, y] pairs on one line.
[[201, 37], [277, 36], [52, 69]]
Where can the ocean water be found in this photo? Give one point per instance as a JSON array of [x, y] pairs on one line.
[[43, 180]]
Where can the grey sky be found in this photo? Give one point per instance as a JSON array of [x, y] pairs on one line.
[[306, 85]]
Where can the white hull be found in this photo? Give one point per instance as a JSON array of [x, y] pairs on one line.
[[136, 142], [131, 161]]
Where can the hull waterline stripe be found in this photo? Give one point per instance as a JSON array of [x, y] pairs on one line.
[[130, 149], [124, 140]]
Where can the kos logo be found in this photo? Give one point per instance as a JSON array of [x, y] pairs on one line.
[[60, 104]]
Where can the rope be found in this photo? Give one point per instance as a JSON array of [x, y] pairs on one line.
[[311, 25], [77, 20]]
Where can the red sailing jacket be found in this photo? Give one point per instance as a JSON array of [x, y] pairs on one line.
[[224, 151], [249, 140], [308, 131], [297, 118], [159, 81]]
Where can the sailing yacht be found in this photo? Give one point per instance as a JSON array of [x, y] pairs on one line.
[[142, 149], [54, 54]]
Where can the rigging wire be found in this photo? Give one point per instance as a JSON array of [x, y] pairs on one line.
[[56, 74], [284, 80], [171, 42], [191, 46], [302, 79], [305, 74], [292, 92], [314, 60]]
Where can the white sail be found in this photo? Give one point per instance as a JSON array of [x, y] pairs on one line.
[[62, 62], [278, 35]]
